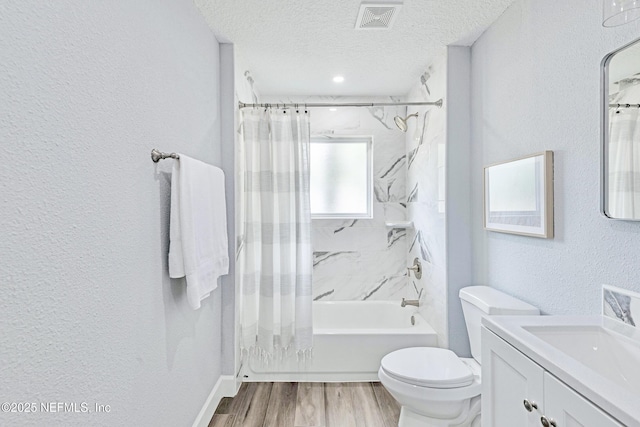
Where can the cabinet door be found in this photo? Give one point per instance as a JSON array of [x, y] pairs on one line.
[[569, 409], [508, 379]]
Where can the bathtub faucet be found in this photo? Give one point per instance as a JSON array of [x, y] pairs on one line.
[[416, 268], [414, 302]]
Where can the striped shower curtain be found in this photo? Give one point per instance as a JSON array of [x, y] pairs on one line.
[[274, 250], [624, 156]]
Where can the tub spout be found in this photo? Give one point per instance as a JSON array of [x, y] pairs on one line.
[[406, 302]]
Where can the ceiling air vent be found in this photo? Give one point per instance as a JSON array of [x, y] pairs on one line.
[[377, 16]]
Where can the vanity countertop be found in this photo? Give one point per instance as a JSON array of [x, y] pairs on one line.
[[620, 401]]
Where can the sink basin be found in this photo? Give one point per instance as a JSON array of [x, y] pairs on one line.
[[608, 354]]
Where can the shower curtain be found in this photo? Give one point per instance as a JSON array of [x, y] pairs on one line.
[[624, 155], [275, 255]]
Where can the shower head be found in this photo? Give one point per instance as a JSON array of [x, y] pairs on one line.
[[402, 123]]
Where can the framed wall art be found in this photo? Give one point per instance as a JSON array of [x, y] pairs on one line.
[[518, 196]]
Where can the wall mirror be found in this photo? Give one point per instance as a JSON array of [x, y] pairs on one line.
[[621, 133], [518, 196]]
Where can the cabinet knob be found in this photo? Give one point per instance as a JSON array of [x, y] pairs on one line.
[[547, 422], [530, 406]]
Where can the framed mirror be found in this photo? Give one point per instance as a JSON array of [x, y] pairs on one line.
[[620, 198]]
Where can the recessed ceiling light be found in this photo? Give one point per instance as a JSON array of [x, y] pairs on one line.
[[333, 109], [338, 79]]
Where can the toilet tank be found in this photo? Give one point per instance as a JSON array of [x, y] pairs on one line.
[[481, 301]]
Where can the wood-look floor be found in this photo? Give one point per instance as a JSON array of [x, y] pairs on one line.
[[308, 405]]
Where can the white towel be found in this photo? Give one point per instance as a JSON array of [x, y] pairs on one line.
[[198, 247]]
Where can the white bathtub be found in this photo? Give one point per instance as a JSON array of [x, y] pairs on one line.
[[350, 338]]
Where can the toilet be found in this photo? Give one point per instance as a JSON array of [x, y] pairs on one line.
[[435, 387]]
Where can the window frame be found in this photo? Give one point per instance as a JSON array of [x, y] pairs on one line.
[[338, 139]]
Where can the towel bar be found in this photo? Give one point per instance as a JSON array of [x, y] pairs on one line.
[[156, 155]]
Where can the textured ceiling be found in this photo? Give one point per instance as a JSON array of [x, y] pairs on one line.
[[295, 47]]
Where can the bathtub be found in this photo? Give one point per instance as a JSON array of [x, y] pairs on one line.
[[349, 340]]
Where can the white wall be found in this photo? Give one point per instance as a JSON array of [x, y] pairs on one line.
[[228, 108], [536, 86], [88, 312], [458, 207]]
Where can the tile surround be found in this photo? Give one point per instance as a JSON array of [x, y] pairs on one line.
[[363, 259], [425, 144]]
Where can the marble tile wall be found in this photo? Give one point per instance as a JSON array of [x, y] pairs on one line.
[[621, 305], [363, 259], [246, 90], [621, 311], [425, 151]]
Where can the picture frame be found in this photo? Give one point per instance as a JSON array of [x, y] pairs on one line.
[[518, 196]]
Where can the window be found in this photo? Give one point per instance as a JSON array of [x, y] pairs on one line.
[[341, 177]]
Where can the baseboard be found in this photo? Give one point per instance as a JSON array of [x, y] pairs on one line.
[[314, 377], [224, 387]]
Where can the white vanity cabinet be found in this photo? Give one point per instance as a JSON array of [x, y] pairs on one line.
[[516, 391]]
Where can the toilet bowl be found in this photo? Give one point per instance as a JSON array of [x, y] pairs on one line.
[[434, 386]]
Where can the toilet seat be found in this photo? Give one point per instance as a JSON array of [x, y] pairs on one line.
[[430, 367]]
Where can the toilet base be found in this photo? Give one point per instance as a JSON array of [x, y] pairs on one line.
[[469, 418]]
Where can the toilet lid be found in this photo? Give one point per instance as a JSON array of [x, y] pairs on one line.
[[427, 367]]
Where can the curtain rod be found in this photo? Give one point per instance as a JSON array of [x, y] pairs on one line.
[[624, 105], [437, 103]]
